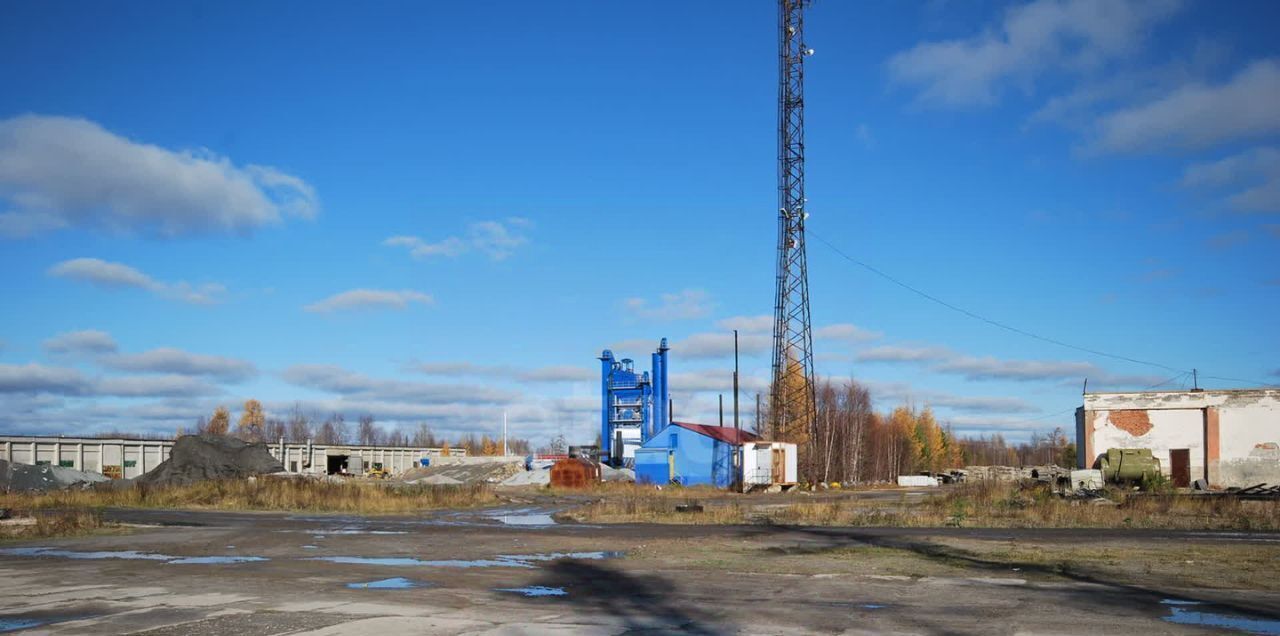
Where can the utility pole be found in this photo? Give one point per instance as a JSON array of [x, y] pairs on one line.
[[759, 431], [722, 410], [791, 397], [504, 433], [737, 425]]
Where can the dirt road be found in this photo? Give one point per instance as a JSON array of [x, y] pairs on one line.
[[513, 570]]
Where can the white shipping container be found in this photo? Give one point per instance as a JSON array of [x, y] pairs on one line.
[[917, 480]]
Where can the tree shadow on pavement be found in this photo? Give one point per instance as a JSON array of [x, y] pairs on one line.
[[642, 603], [1101, 592]]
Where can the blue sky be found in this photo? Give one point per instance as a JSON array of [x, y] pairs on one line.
[[442, 211]]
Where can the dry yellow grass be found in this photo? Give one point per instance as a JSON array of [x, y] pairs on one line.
[[991, 505], [59, 523], [264, 494]]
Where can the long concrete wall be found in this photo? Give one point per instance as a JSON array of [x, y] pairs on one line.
[[1233, 436], [114, 457], [128, 458]]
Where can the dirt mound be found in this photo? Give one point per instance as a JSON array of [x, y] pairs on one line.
[[24, 478], [200, 458]]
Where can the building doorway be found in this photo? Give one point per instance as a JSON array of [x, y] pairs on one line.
[[336, 464], [1180, 467]]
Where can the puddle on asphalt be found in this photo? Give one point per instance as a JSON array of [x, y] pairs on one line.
[[126, 554], [310, 547], [535, 590], [397, 583], [525, 520], [19, 623], [871, 606], [401, 561], [72, 554], [15, 624], [501, 561], [1180, 615], [216, 560], [552, 556]]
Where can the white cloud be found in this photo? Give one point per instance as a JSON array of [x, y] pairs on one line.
[[87, 341], [748, 324], [335, 379], [1198, 115], [944, 360], [895, 353], [888, 393], [846, 332], [369, 299], [154, 386], [1253, 176], [990, 368], [687, 304], [176, 361], [717, 381], [96, 271], [495, 239], [61, 172], [720, 345], [40, 379], [559, 373], [1045, 35]]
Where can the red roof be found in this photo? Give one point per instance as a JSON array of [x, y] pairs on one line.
[[722, 433]]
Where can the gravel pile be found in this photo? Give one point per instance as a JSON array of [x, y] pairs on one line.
[[616, 474], [535, 477], [204, 457], [474, 470], [24, 478]]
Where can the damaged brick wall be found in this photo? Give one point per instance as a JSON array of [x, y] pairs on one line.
[[1134, 422]]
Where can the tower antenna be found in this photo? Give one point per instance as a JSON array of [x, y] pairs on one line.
[[791, 398]]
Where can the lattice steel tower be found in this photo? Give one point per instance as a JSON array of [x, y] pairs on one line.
[[791, 403]]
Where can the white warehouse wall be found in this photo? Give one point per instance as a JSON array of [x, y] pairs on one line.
[[1233, 435]]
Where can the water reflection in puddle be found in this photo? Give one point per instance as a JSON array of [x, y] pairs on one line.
[[525, 520], [535, 590], [132, 555], [401, 561], [1180, 615], [213, 560], [552, 556], [19, 623], [15, 624], [397, 583], [97, 554], [501, 561]]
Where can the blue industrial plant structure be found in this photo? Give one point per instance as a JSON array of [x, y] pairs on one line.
[[691, 455], [636, 429], [633, 405]]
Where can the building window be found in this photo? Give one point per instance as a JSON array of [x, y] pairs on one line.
[[67, 463], [673, 441]]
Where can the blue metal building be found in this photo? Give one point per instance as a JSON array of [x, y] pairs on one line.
[[633, 406], [691, 455]]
